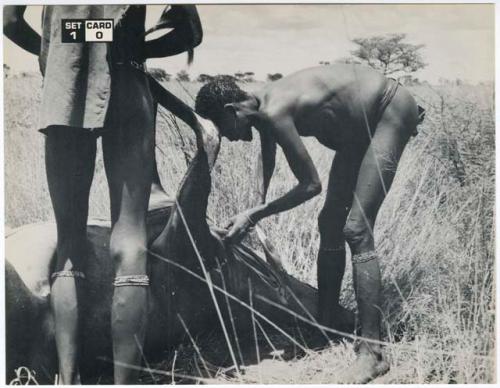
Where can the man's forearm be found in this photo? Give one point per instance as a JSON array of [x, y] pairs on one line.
[[170, 44], [187, 32], [298, 195], [16, 29]]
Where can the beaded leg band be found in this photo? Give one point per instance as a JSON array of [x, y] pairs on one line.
[[68, 274], [364, 257], [131, 280]]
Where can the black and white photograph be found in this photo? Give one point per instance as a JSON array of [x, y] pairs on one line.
[[249, 193]]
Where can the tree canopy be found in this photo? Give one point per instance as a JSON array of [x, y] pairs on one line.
[[389, 54], [183, 76], [204, 78], [274, 76], [159, 74]]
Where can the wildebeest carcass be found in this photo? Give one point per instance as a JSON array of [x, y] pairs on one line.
[[179, 287]]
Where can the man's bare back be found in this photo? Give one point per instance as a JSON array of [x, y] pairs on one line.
[[326, 102]]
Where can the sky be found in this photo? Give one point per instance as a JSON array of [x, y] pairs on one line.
[[458, 38]]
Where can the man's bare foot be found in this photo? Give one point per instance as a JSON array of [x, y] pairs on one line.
[[208, 138], [367, 366]]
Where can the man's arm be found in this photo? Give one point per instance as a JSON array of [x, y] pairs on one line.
[[187, 32], [302, 167], [301, 164], [17, 30], [265, 165]]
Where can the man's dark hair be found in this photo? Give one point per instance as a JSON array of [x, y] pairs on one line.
[[215, 94]]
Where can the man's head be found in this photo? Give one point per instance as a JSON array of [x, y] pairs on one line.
[[218, 101]]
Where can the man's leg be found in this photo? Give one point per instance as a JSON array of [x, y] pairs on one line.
[[375, 178], [128, 147], [331, 221], [70, 158]]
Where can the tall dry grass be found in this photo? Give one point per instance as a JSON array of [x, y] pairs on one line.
[[435, 230]]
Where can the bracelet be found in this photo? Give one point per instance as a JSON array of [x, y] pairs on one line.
[[68, 274], [131, 280]]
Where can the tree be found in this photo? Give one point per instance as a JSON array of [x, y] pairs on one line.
[[183, 76], [228, 77], [274, 76], [204, 78], [240, 76], [247, 76], [159, 74], [389, 54], [347, 61]]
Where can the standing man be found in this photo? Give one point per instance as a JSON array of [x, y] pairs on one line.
[[367, 119], [89, 90]]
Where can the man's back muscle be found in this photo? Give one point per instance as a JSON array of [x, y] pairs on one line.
[[326, 101]]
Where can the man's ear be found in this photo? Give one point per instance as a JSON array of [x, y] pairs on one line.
[[230, 109]]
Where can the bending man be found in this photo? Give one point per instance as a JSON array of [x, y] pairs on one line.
[[367, 119]]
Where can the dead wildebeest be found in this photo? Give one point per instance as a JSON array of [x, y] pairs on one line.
[[178, 286]]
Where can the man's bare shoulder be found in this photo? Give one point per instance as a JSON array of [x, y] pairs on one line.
[[311, 87], [276, 100], [285, 95]]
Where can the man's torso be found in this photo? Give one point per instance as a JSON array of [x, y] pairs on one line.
[[335, 104]]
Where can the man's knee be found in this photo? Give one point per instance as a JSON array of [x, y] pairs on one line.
[[128, 254], [358, 235]]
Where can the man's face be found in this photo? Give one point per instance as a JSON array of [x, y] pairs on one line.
[[235, 127]]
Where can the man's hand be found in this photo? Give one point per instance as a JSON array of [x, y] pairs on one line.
[[239, 226], [185, 35]]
